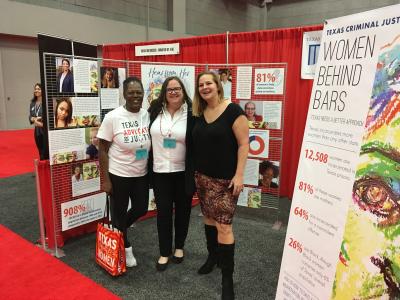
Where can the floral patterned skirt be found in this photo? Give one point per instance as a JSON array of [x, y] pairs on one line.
[[216, 199]]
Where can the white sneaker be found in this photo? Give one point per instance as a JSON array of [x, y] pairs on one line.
[[130, 259]]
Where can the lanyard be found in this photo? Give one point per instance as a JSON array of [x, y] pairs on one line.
[[141, 128], [169, 132], [37, 109]]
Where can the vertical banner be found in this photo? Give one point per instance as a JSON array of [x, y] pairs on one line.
[[343, 235], [309, 53]]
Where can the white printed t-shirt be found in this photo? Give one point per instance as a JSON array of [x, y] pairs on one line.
[[127, 132]]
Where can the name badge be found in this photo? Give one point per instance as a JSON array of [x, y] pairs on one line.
[[141, 154], [169, 143]]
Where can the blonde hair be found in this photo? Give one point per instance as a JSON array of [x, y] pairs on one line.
[[199, 104]]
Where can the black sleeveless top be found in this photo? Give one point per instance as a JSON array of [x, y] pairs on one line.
[[215, 145]]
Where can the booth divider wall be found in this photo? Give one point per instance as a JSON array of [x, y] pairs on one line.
[[267, 46], [77, 202]]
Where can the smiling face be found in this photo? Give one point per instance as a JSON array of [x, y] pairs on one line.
[[109, 75], [90, 171], [133, 95], [65, 65], [208, 88], [174, 93], [85, 120], [62, 111], [37, 91], [224, 77], [267, 177], [77, 171], [250, 110], [93, 136]]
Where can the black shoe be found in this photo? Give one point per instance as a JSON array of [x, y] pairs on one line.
[[227, 288], [177, 260], [208, 265], [161, 267]]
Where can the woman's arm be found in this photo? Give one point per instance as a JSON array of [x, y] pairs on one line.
[[241, 132], [33, 119], [104, 146], [31, 115], [38, 122]]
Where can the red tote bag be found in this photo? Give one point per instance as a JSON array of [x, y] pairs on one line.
[[110, 248]]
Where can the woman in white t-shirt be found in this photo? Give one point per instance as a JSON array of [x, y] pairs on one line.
[[123, 152]]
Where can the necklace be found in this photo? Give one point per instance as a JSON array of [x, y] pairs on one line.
[[169, 132]]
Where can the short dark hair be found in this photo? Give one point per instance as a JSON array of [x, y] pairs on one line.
[[131, 79]]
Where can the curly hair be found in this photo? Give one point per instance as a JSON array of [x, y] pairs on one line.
[[265, 165]]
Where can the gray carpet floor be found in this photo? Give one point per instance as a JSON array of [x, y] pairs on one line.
[[257, 257]]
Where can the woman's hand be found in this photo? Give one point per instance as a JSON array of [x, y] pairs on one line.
[[104, 146], [236, 184], [107, 186], [38, 122], [241, 130]]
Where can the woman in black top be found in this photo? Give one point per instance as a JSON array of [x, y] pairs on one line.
[[221, 144], [35, 118], [171, 166]]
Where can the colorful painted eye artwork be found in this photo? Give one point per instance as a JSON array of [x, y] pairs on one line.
[[369, 260]]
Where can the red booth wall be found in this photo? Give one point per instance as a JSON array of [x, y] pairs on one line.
[[266, 46]]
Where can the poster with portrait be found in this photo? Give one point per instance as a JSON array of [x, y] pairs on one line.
[[225, 75], [268, 175], [85, 178], [76, 112], [254, 113], [109, 83], [250, 197], [85, 76], [109, 78], [64, 75], [153, 77]]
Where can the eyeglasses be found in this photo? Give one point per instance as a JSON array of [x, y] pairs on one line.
[[174, 90]]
